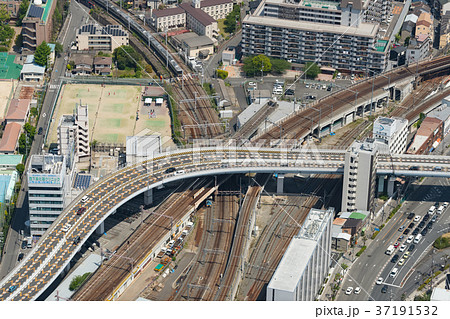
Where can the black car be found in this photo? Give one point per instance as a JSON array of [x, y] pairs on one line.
[[170, 170], [426, 217], [290, 92], [411, 225], [415, 231], [406, 231], [76, 240], [329, 88], [40, 130], [384, 289], [429, 225], [24, 244], [421, 224], [395, 258], [411, 215], [411, 247], [424, 232], [20, 257]]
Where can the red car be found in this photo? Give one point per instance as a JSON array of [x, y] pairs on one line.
[[396, 245], [81, 210]]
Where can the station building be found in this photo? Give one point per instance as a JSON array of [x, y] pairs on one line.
[[306, 261]]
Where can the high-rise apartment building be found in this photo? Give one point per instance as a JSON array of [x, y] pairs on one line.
[[332, 33]]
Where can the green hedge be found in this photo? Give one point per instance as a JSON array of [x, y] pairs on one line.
[[375, 234], [441, 243], [361, 251], [77, 281]]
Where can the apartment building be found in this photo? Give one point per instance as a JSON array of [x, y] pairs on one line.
[[393, 132], [12, 6], [377, 11], [37, 24], [105, 39], [358, 192], [73, 131], [418, 48], [424, 25], [46, 189], [217, 9], [199, 16], [330, 33]]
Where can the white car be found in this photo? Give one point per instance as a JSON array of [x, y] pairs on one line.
[[251, 83], [410, 239], [402, 247], [357, 290], [445, 204], [379, 281], [66, 227], [349, 290], [417, 218]]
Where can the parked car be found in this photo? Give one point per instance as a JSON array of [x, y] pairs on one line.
[[379, 281], [20, 257], [357, 290], [415, 231], [411, 247], [417, 218], [411, 216], [421, 224], [395, 258], [396, 245], [411, 225], [24, 244], [349, 290], [406, 231], [40, 130], [410, 239], [384, 289], [402, 247]]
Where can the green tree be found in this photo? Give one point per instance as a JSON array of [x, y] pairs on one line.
[[398, 37], [126, 57], [407, 39], [77, 281], [20, 168], [42, 53], [19, 41], [222, 74], [248, 67], [22, 11], [231, 19], [311, 69], [4, 15], [58, 48], [262, 62], [279, 66]]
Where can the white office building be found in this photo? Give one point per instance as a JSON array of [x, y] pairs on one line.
[[306, 262], [393, 132], [46, 188]]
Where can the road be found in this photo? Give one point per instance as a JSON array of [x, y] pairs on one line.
[[67, 35], [421, 197]]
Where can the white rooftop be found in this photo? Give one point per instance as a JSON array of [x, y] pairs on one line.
[[440, 294], [299, 251], [250, 111]]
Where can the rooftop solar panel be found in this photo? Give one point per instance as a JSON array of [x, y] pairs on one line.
[[82, 181], [35, 12]]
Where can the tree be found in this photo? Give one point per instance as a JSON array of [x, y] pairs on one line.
[[311, 69], [22, 11], [248, 67], [20, 168], [4, 15], [231, 19], [222, 74], [42, 53], [148, 69], [19, 41], [58, 48], [407, 39], [77, 281], [262, 62], [398, 37], [126, 57], [279, 66]]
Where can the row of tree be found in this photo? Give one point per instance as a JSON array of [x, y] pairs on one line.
[[256, 65]]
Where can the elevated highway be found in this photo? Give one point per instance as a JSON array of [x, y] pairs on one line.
[[56, 248]]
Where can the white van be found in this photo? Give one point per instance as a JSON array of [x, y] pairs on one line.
[[417, 239], [277, 90], [432, 210], [394, 272], [390, 250], [84, 199], [440, 210]]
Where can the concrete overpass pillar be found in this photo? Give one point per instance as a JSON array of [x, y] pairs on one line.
[[390, 188], [381, 184], [100, 229], [280, 183], [148, 197]]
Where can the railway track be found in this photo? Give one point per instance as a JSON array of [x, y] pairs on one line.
[[299, 124], [135, 248], [201, 283]]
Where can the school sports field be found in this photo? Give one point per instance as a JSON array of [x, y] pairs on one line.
[[112, 112]]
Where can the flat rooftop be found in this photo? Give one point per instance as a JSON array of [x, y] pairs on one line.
[[364, 29], [300, 250], [40, 11], [46, 164]]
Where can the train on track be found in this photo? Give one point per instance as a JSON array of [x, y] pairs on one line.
[[145, 35]]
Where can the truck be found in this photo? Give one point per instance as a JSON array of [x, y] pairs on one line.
[[30, 242], [390, 250], [161, 253]]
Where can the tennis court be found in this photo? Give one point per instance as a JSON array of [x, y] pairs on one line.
[[8, 69]]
